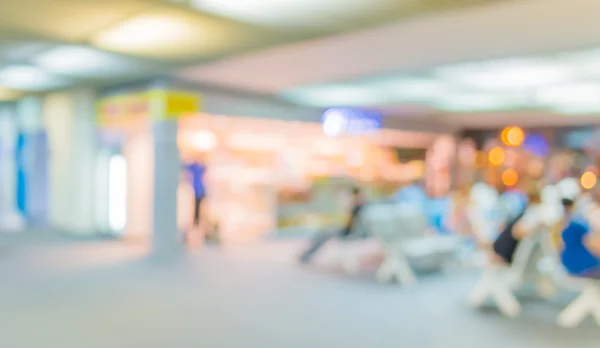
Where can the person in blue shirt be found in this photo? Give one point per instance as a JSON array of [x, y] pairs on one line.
[[575, 254], [196, 173]]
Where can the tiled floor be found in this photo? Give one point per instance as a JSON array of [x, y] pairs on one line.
[[88, 295]]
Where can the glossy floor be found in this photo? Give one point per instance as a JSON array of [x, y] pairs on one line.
[[105, 294]]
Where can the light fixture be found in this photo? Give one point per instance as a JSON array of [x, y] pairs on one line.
[[413, 89], [507, 75], [577, 109], [148, 34], [571, 94], [25, 77], [472, 102], [84, 61], [585, 62], [336, 95], [307, 13]]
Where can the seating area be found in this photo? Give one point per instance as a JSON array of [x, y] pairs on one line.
[[409, 246]]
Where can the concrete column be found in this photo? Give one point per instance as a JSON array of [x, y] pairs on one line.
[[165, 237], [70, 120], [82, 163]]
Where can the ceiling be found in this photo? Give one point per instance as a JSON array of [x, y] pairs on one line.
[[48, 44], [382, 54], [521, 61]]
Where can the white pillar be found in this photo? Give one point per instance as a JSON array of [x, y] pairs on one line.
[[83, 161], [70, 120], [165, 237]]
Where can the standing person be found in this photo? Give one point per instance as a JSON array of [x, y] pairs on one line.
[[358, 202], [196, 173]]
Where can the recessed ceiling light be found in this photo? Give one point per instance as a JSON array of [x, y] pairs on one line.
[[336, 95], [577, 109], [83, 61], [148, 32], [413, 89], [472, 102], [572, 94], [509, 74], [25, 77], [288, 12]]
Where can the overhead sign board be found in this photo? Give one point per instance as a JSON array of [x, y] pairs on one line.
[[339, 121]]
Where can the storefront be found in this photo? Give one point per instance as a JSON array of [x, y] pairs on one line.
[[284, 177]]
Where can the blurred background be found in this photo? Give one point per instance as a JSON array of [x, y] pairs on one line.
[[226, 134]]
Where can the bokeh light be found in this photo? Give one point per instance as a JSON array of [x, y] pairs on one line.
[[497, 156], [510, 177], [536, 144], [514, 136], [588, 180]]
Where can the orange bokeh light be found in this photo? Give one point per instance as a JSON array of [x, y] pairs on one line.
[[497, 156], [514, 136], [588, 180], [510, 177]]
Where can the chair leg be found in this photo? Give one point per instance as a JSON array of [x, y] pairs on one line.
[[505, 300], [481, 292], [402, 271], [575, 312], [384, 272]]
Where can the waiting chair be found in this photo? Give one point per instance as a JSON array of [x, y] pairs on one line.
[[499, 282], [402, 231], [588, 301]]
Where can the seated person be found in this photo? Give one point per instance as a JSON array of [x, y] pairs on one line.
[[358, 202], [458, 219], [467, 218], [576, 255], [527, 222]]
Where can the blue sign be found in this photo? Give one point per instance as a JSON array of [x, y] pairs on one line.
[[338, 121]]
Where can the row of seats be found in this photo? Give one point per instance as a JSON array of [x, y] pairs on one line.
[[404, 236]]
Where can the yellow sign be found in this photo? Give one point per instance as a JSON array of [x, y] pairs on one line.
[[155, 105]]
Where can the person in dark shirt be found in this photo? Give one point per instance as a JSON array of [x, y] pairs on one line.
[[527, 222], [358, 202]]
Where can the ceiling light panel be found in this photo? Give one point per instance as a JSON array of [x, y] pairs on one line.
[[84, 62], [473, 102], [171, 34], [28, 78], [291, 13], [572, 94], [336, 95], [413, 89], [507, 75], [585, 63]]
